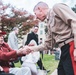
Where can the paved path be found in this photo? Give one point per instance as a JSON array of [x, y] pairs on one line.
[[55, 72]]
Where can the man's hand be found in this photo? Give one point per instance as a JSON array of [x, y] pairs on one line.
[[74, 54], [26, 50], [31, 44]]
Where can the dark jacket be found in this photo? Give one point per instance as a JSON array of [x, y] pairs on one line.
[[31, 36]]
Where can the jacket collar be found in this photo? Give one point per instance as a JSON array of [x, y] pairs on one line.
[[50, 13]]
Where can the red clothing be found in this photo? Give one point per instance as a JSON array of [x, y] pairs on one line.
[[6, 56]]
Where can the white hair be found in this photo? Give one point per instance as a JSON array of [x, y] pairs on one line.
[[40, 4]]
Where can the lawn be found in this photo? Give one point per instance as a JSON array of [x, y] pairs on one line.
[[48, 61]]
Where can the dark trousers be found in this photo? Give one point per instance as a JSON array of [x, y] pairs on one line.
[[40, 64], [41, 52], [67, 65]]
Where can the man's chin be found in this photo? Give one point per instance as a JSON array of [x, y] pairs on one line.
[[42, 19]]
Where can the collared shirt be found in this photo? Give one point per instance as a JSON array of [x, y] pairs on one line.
[[61, 26]]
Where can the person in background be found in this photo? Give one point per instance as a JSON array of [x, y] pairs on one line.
[[8, 55], [13, 42], [34, 36], [13, 39], [61, 24]]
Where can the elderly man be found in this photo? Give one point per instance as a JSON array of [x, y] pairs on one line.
[[13, 42], [61, 23], [7, 55], [12, 38]]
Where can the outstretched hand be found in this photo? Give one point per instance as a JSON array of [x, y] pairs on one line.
[[26, 50]]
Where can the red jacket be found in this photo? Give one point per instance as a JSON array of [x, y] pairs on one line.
[[6, 56]]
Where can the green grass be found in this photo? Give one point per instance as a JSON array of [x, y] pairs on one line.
[[49, 63]]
